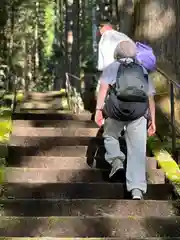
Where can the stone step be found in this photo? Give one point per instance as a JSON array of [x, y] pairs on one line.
[[82, 190], [42, 141], [89, 207], [156, 176], [99, 238], [55, 104], [50, 115], [151, 163], [26, 132], [35, 175], [49, 148], [66, 163], [51, 111], [54, 123], [46, 95], [40, 175], [123, 227]]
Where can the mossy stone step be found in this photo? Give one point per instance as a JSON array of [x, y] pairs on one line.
[[40, 175], [122, 227], [66, 163], [82, 190], [50, 115], [54, 123], [88, 207]]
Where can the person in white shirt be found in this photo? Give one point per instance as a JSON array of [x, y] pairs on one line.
[[110, 44]]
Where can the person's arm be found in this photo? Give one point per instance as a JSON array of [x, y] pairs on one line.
[[106, 77], [101, 95], [151, 93], [152, 108], [99, 118], [100, 63], [152, 123]]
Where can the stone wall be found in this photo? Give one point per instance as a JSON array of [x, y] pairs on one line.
[[158, 23]]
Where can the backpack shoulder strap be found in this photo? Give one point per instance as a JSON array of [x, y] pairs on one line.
[[119, 71], [122, 66]]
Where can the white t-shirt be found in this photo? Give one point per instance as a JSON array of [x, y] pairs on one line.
[[107, 45]]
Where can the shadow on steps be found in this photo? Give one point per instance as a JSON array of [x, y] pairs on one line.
[[96, 158]]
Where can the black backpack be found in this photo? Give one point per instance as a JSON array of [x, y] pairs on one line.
[[127, 99]]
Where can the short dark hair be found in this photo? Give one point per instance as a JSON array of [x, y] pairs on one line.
[[102, 23]]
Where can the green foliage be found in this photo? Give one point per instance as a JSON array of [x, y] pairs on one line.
[[2, 175], [5, 125], [28, 31], [166, 144], [49, 29], [34, 46], [5, 130]]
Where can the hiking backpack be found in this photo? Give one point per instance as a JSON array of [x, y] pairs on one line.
[[127, 99]]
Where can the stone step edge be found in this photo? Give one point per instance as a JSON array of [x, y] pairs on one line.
[[68, 170], [92, 208], [83, 191], [67, 123], [86, 200], [91, 217], [119, 221], [85, 238], [23, 170]]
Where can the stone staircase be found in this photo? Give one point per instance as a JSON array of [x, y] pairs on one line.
[[57, 186]]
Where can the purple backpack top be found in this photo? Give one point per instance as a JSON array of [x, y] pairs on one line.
[[145, 56]]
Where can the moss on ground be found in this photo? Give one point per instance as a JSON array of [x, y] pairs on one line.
[[5, 131], [164, 159]]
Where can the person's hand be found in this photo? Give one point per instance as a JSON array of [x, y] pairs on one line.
[[151, 129], [99, 118]]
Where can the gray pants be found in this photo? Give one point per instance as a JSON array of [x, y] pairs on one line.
[[135, 136]]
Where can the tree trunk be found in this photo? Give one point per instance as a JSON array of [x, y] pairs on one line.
[[36, 42]]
